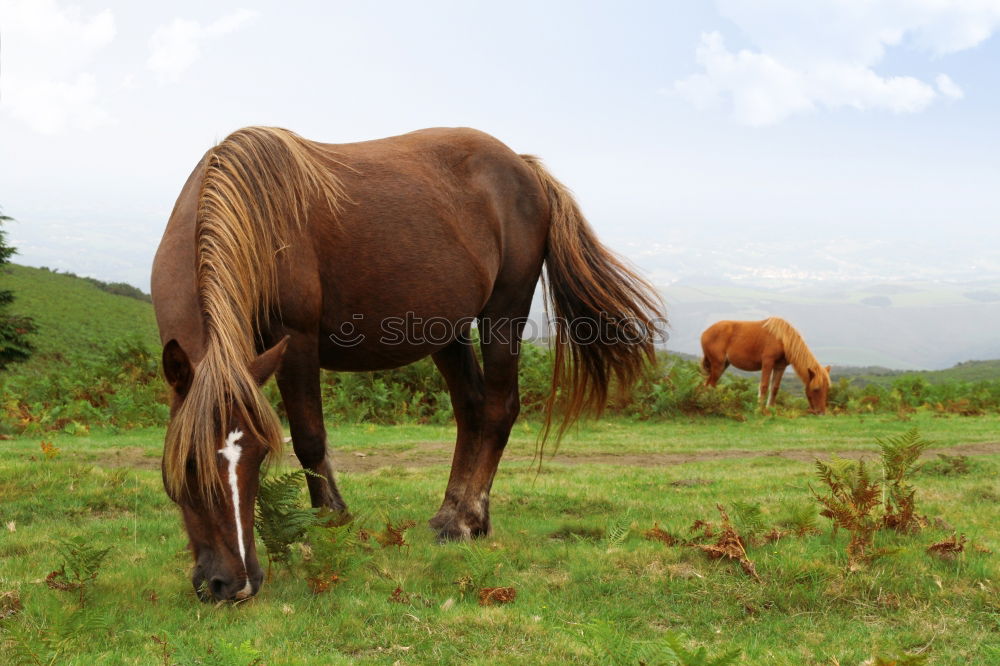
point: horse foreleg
(776, 375)
(457, 363)
(298, 381)
(765, 380)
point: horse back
(439, 223)
(744, 344)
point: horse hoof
(455, 527)
(328, 517)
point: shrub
(121, 389)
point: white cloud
(176, 46)
(948, 88)
(47, 50)
(823, 53)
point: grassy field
(76, 320)
(589, 587)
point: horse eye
(189, 465)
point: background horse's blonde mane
(796, 350)
(258, 185)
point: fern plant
(853, 494)
(279, 518)
(481, 567)
(610, 645)
(750, 519)
(899, 462)
(676, 653)
(81, 563)
(800, 518)
(332, 552)
(618, 530)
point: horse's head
(211, 469)
(818, 389)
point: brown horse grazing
(769, 346)
(285, 255)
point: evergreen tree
(14, 329)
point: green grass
(76, 320)
(577, 598)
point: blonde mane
(796, 350)
(256, 193)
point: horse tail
(258, 186)
(606, 316)
(706, 365)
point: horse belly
(745, 351)
(360, 342)
(745, 362)
(399, 307)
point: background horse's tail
(606, 316)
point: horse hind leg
(713, 368)
(457, 363)
(715, 359)
(466, 513)
(500, 410)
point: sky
(771, 139)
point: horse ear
(177, 367)
(812, 375)
(267, 363)
(828, 369)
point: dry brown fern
(948, 549)
(729, 546)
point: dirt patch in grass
(424, 454)
(427, 454)
(133, 457)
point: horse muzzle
(219, 587)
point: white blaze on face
(245, 592)
(231, 452)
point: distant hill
(967, 371)
(77, 318)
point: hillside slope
(968, 371)
(76, 320)
(79, 321)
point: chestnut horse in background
(284, 256)
(769, 346)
